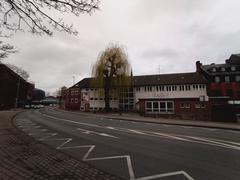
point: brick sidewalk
(23, 158)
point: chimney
(198, 66)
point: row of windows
(74, 92)
(74, 100)
(223, 69)
(102, 99)
(188, 105)
(162, 107)
(173, 88)
(226, 79)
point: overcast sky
(165, 36)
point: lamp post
(17, 94)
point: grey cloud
(170, 34)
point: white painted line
(36, 127)
(47, 137)
(136, 131)
(44, 130)
(96, 133)
(149, 133)
(166, 175)
(67, 141)
(129, 163)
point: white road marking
(166, 175)
(44, 130)
(96, 133)
(149, 133)
(47, 137)
(127, 157)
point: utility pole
(17, 94)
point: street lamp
(17, 94)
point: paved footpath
(23, 158)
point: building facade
(210, 93)
(14, 90)
(182, 95)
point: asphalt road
(142, 151)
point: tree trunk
(107, 94)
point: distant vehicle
(27, 106)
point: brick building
(210, 93)
(13, 88)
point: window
(76, 92)
(149, 106)
(72, 92)
(187, 105)
(203, 106)
(213, 69)
(217, 79)
(184, 105)
(197, 106)
(187, 87)
(161, 107)
(76, 100)
(233, 68)
(227, 79)
(137, 88)
(237, 78)
(223, 69)
(72, 100)
(155, 106)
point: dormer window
(223, 69)
(233, 68)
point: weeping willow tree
(111, 72)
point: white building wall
(166, 93)
(95, 99)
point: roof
(158, 79)
(169, 79)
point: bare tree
(5, 50)
(111, 70)
(33, 13)
(21, 72)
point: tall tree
(34, 14)
(111, 70)
(5, 50)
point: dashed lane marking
(85, 131)
(191, 139)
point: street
(137, 150)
